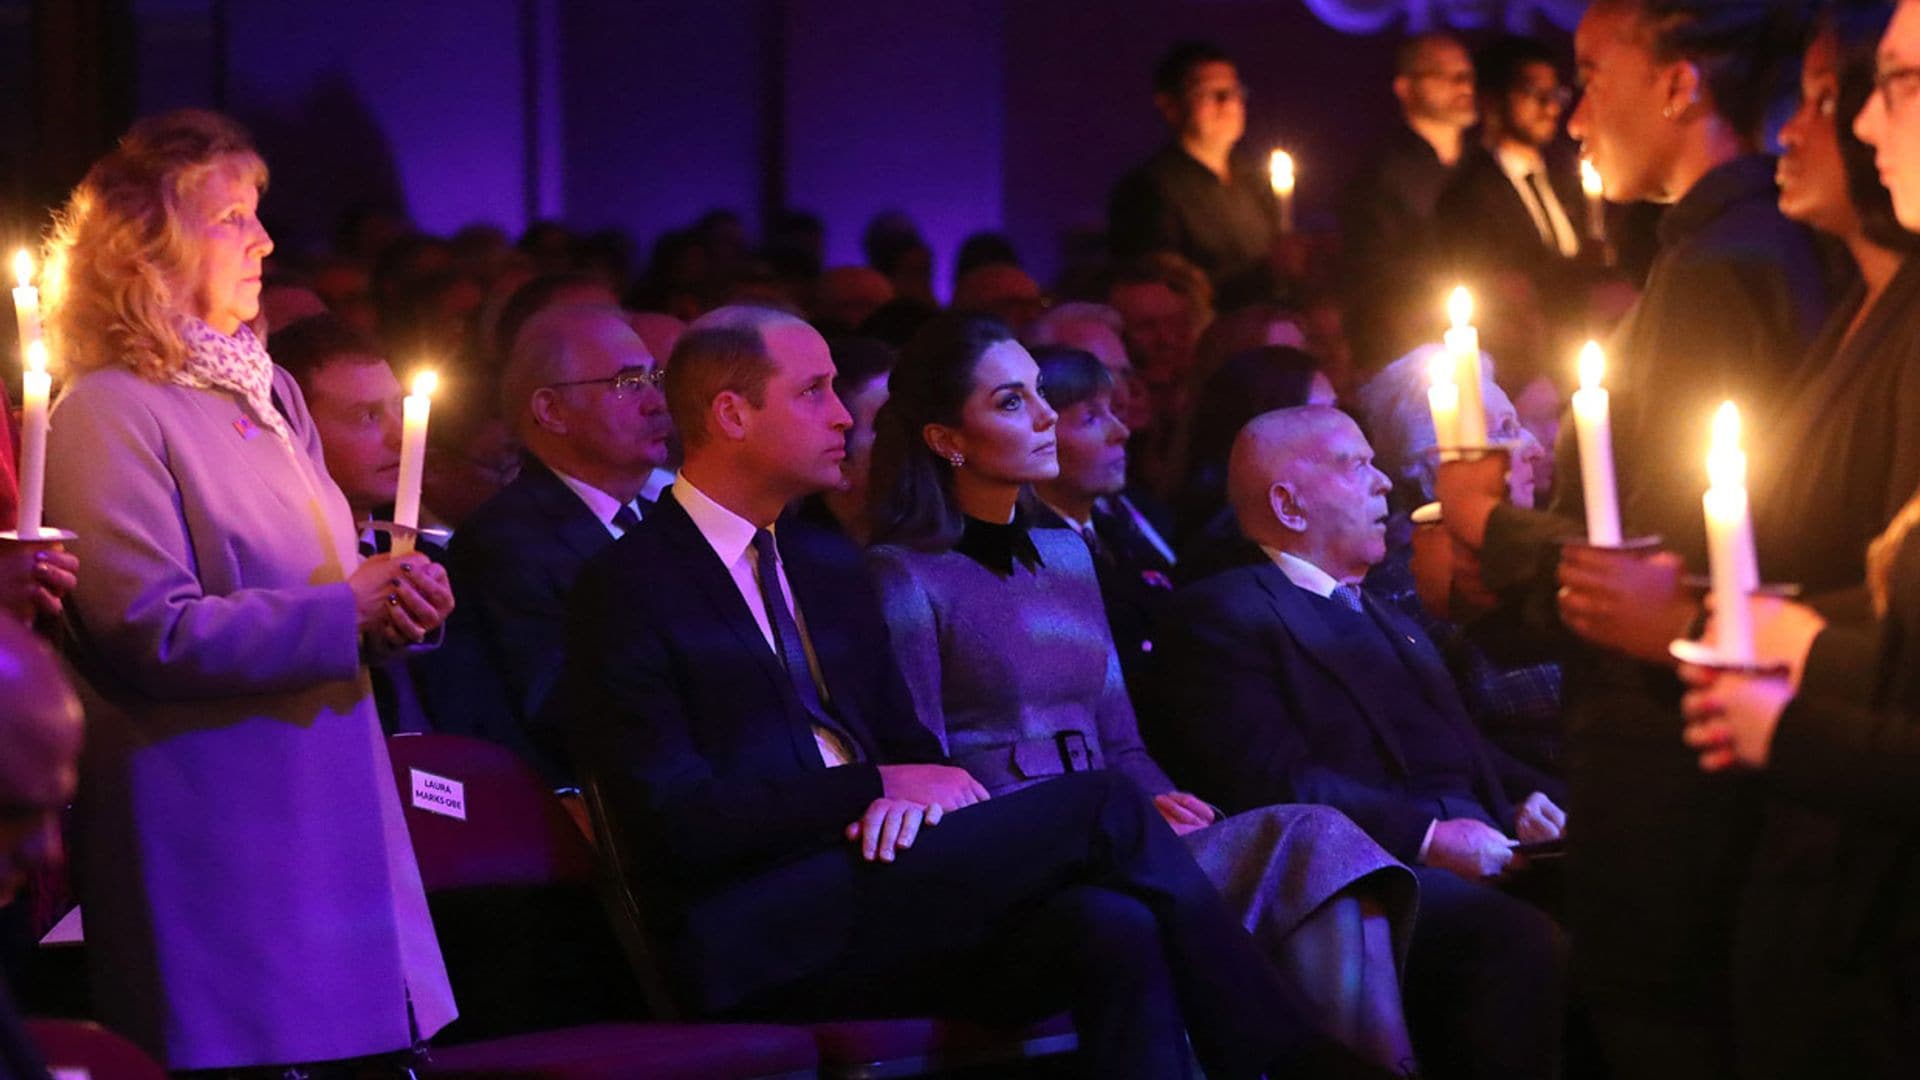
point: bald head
(1302, 481)
(558, 344)
(40, 731)
(580, 391)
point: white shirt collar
(600, 504)
(727, 533)
(657, 482)
(1302, 573)
(1082, 524)
(1517, 164)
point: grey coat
(250, 892)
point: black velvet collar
(997, 547)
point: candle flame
(1460, 307)
(1590, 181)
(425, 383)
(1280, 171)
(37, 357)
(22, 268)
(1440, 368)
(1726, 462)
(1593, 365)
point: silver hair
(1400, 422)
(1046, 329)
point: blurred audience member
(894, 246)
(1003, 291)
(1097, 329)
(860, 369)
(847, 296)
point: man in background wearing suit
(802, 849)
(583, 395)
(1282, 682)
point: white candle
(1596, 189)
(1443, 397)
(413, 458)
(1280, 172)
(1735, 570)
(26, 301)
(36, 387)
(1463, 345)
(1593, 426)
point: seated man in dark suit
(583, 394)
(801, 848)
(1281, 682)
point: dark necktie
(1547, 234)
(1347, 596)
(1092, 538)
(626, 518)
(1123, 539)
(786, 639)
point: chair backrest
(624, 907)
(81, 1049)
(480, 816)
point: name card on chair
(439, 795)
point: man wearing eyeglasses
(1514, 202)
(583, 394)
(1193, 197)
(1386, 221)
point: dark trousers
(1485, 981)
(1070, 893)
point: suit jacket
(1262, 701)
(512, 564)
(1482, 221)
(1135, 581)
(251, 894)
(707, 757)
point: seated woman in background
(1001, 635)
(250, 890)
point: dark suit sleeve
(1227, 717)
(515, 608)
(1140, 219)
(628, 700)
(1838, 753)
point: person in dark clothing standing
(1675, 95)
(1193, 197)
(1387, 217)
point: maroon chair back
(79, 1047)
(480, 816)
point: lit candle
(1280, 172)
(1596, 190)
(1443, 397)
(1593, 425)
(1463, 346)
(413, 458)
(26, 301)
(1735, 570)
(36, 386)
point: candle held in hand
(1463, 345)
(1735, 569)
(1593, 426)
(413, 458)
(26, 301)
(1443, 397)
(1280, 173)
(36, 388)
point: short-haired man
(40, 731)
(734, 695)
(1282, 682)
(583, 394)
(1386, 218)
(1514, 203)
(1192, 197)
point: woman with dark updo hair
(1002, 636)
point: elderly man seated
(1510, 677)
(1282, 682)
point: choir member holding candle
(1826, 975)
(250, 892)
(1732, 300)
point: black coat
(1264, 700)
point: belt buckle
(1073, 751)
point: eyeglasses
(1457, 78)
(625, 382)
(1896, 86)
(1556, 97)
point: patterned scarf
(238, 363)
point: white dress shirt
(600, 504)
(1549, 217)
(731, 538)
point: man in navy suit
(1281, 681)
(583, 395)
(801, 847)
